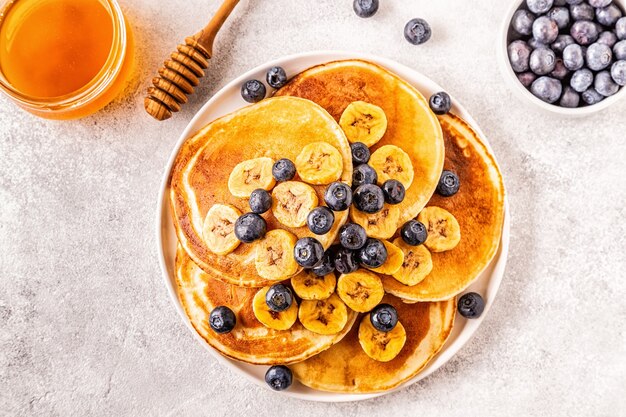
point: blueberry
(394, 191)
(373, 254)
(522, 22)
(253, 91)
(384, 317)
(440, 103)
(471, 305)
(542, 61)
(619, 50)
(584, 32)
(561, 42)
(559, 72)
(545, 30)
(618, 72)
(620, 28)
(365, 8)
(519, 55)
(526, 78)
(352, 236)
(278, 298)
(326, 266)
(570, 2)
(414, 233)
(320, 220)
(581, 80)
(417, 31)
(604, 84)
(582, 11)
(599, 3)
(607, 38)
(369, 198)
(448, 184)
(279, 377)
(591, 96)
(260, 201)
(364, 174)
(346, 261)
(560, 15)
(547, 89)
(250, 227)
(573, 57)
(599, 56)
(360, 153)
(539, 6)
(283, 170)
(338, 196)
(276, 77)
(570, 98)
(308, 252)
(534, 44)
(608, 15)
(222, 319)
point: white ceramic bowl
(526, 95)
(229, 99)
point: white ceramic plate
(229, 99)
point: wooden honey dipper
(182, 72)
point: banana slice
(444, 232)
(292, 201)
(360, 290)
(274, 320)
(218, 229)
(381, 225)
(381, 346)
(249, 175)
(417, 263)
(274, 255)
(363, 122)
(309, 286)
(395, 259)
(319, 163)
(392, 163)
(324, 316)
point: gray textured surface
(86, 326)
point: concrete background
(86, 325)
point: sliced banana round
(392, 163)
(249, 175)
(360, 290)
(417, 263)
(292, 201)
(363, 122)
(274, 255)
(395, 259)
(319, 163)
(327, 316)
(309, 286)
(218, 229)
(381, 225)
(444, 232)
(282, 320)
(381, 346)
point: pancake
(249, 341)
(346, 368)
(479, 209)
(410, 123)
(275, 128)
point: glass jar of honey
(64, 59)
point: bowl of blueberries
(566, 56)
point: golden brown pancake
(346, 368)
(275, 128)
(249, 341)
(479, 209)
(410, 123)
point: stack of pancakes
(306, 110)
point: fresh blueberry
(559, 72)
(545, 30)
(250, 227)
(279, 377)
(539, 6)
(283, 170)
(519, 55)
(620, 29)
(526, 78)
(320, 220)
(542, 61)
(570, 2)
(346, 261)
(338, 196)
(560, 15)
(448, 184)
(222, 319)
(607, 38)
(599, 3)
(260, 201)
(561, 42)
(326, 266)
(364, 174)
(360, 153)
(608, 15)
(308, 252)
(440, 103)
(417, 31)
(547, 89)
(394, 191)
(581, 80)
(584, 32)
(276, 77)
(373, 254)
(570, 98)
(604, 84)
(573, 57)
(599, 56)
(522, 22)
(384, 317)
(365, 8)
(352, 236)
(534, 44)
(591, 96)
(278, 298)
(618, 72)
(253, 91)
(369, 198)
(619, 50)
(414, 233)
(582, 11)
(471, 305)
